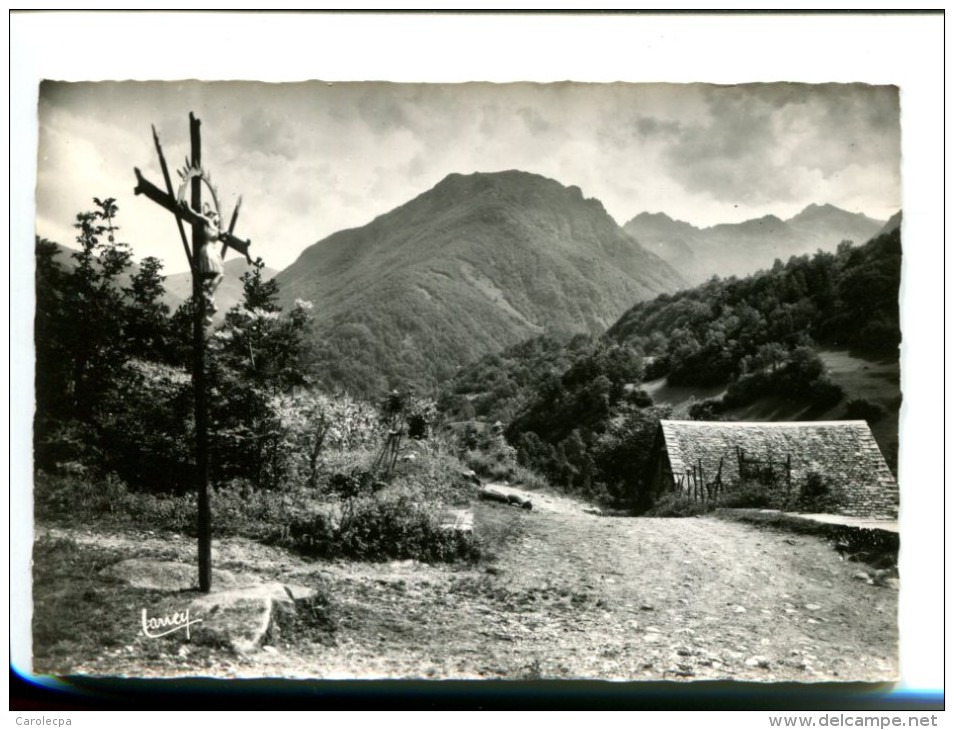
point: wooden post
(718, 480)
(198, 376)
(171, 203)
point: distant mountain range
(487, 260)
(469, 267)
(742, 248)
(179, 286)
(172, 298)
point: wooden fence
(702, 487)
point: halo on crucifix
(190, 173)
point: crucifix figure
(204, 260)
(205, 263)
(208, 262)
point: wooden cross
(171, 202)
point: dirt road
(572, 595)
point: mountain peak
(734, 249)
(659, 217)
(828, 212)
(478, 262)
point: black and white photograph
(360, 379)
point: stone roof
(844, 451)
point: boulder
(242, 618)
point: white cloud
(313, 158)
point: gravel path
(572, 595)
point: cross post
(198, 377)
(201, 301)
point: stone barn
(705, 458)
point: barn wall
(844, 452)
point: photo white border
(906, 50)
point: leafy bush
(824, 393)
(432, 472)
(146, 428)
(529, 479)
(81, 498)
(755, 494)
(489, 454)
(355, 483)
(376, 528)
(819, 494)
(105, 500)
(70, 445)
(864, 409)
(237, 509)
(676, 504)
(639, 398)
(801, 377)
(710, 409)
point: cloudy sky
(313, 158)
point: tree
(261, 344)
(770, 355)
(95, 308)
(53, 365)
(147, 329)
(257, 354)
(92, 337)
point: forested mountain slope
(476, 264)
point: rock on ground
(242, 618)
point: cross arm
(144, 187)
(237, 244)
(160, 197)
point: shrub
(639, 398)
(433, 473)
(491, 455)
(824, 393)
(755, 494)
(400, 528)
(236, 508)
(313, 535)
(818, 494)
(145, 427)
(70, 497)
(58, 443)
(710, 409)
(864, 409)
(353, 483)
(376, 529)
(676, 504)
(529, 479)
